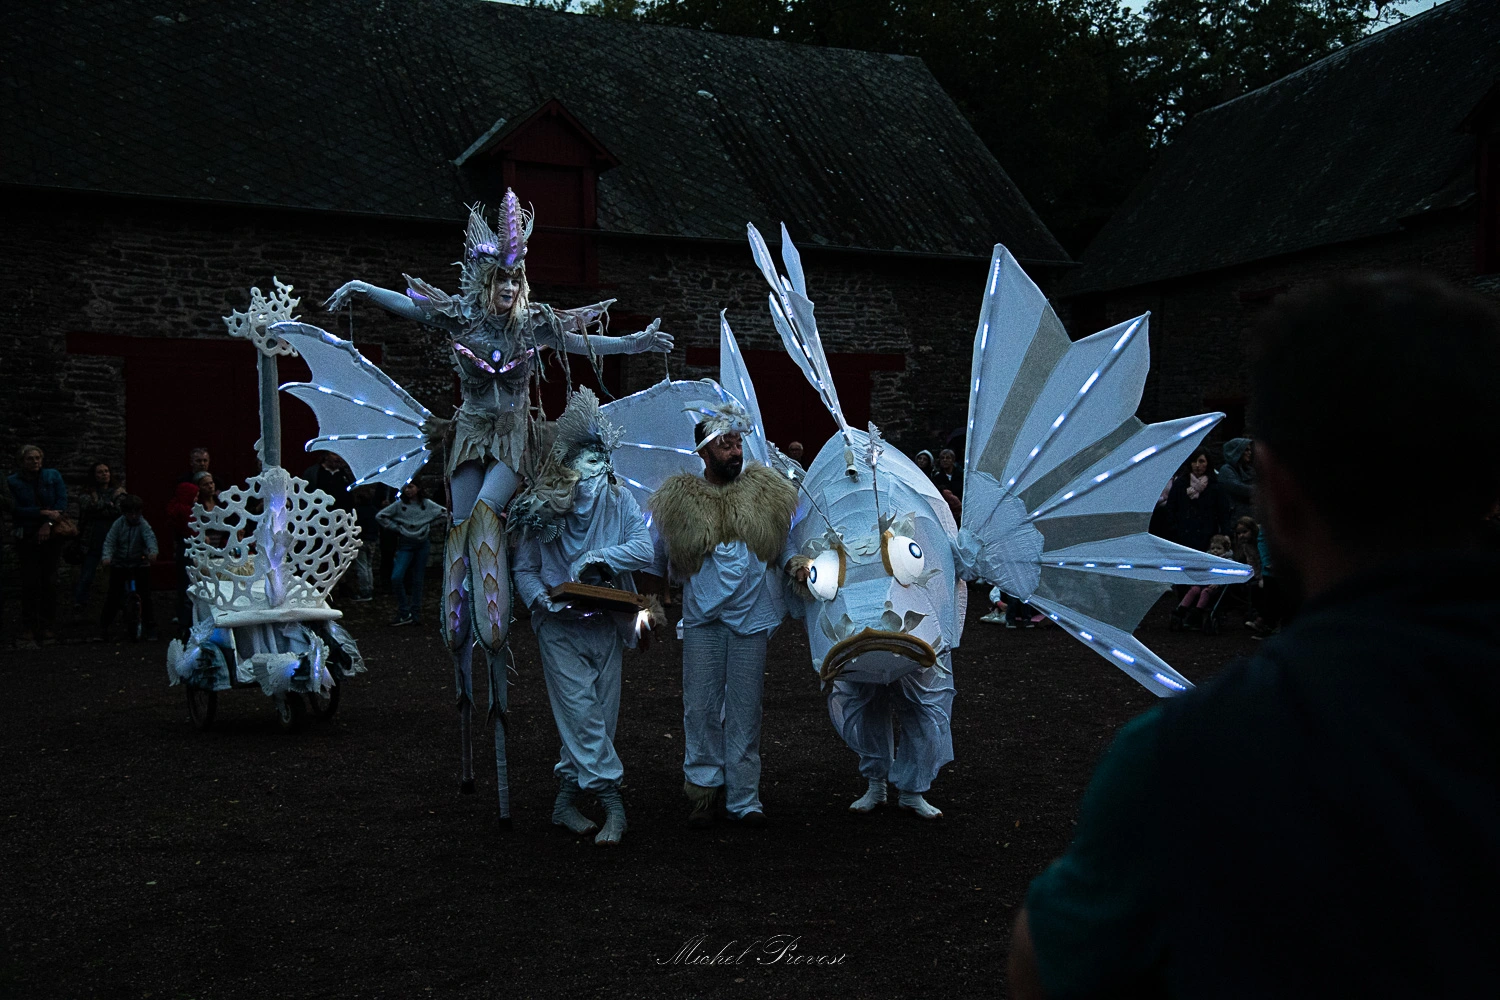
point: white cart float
(261, 566)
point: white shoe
(873, 798)
(913, 802)
(994, 617)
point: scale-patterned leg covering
(489, 576)
(457, 602)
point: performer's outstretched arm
(575, 342)
(394, 303)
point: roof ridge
(1342, 51)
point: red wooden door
(183, 393)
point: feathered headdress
(539, 509)
(506, 249)
(583, 425)
(726, 417)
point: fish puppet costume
(1060, 479)
(575, 523)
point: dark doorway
(182, 393)
(790, 407)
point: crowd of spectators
(101, 526)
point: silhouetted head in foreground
(1405, 361)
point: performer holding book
(576, 524)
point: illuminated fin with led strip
(363, 415)
(658, 422)
(1061, 477)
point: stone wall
(130, 268)
(1201, 325)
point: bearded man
(577, 524)
(721, 535)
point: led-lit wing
(658, 422)
(657, 426)
(363, 415)
(1061, 477)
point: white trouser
(722, 676)
(581, 661)
(923, 701)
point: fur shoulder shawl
(693, 515)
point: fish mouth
(875, 641)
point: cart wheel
(202, 706)
(324, 706)
(290, 711)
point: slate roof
(361, 107)
(1345, 148)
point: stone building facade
(153, 175)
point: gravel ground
(145, 859)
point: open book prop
(595, 598)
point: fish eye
(904, 558)
(823, 575)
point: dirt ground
(142, 858)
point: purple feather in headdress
(515, 224)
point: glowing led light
(1172, 569)
(1085, 637)
(1066, 496)
(1089, 384)
(1120, 654)
(1089, 565)
(1056, 424)
(1169, 682)
(1138, 456)
(984, 335)
(1101, 477)
(1124, 566)
(1034, 453)
(324, 388)
(1195, 428)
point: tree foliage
(1073, 97)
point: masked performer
(719, 533)
(495, 333)
(575, 523)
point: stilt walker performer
(495, 333)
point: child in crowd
(1197, 600)
(129, 550)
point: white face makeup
(503, 291)
(589, 463)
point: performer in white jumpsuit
(576, 524)
(721, 535)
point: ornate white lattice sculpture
(302, 546)
(264, 312)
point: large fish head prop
(883, 598)
(884, 594)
